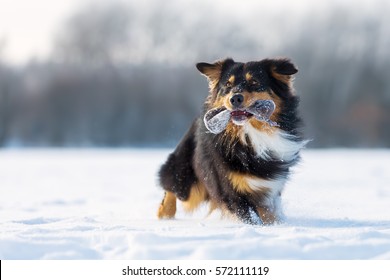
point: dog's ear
(213, 71)
(284, 66)
(282, 69)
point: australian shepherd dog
(238, 154)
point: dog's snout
(237, 100)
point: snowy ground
(101, 204)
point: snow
(101, 204)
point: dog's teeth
(216, 120)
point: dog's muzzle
(217, 119)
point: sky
(28, 27)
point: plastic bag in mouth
(262, 110)
(217, 119)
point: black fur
(177, 175)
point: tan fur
(198, 194)
(231, 135)
(262, 126)
(248, 76)
(231, 80)
(213, 74)
(167, 209)
(239, 182)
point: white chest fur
(278, 143)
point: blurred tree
(123, 74)
(4, 110)
(4, 98)
(95, 35)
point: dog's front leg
(167, 209)
(242, 209)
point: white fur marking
(279, 144)
(274, 186)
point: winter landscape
(83, 81)
(101, 204)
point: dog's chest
(277, 144)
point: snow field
(101, 204)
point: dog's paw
(267, 216)
(166, 212)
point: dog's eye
(228, 84)
(253, 82)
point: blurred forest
(122, 73)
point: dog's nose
(237, 100)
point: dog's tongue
(217, 119)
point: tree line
(121, 75)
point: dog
(240, 162)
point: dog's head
(236, 86)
